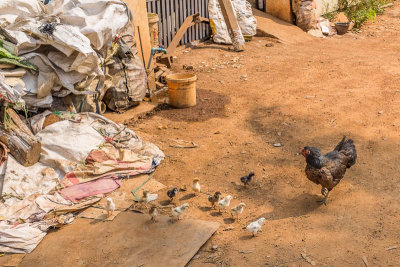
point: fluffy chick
(255, 226)
(224, 203)
(237, 210)
(153, 212)
(196, 185)
(110, 206)
(178, 211)
(215, 198)
(172, 193)
(247, 178)
(144, 197)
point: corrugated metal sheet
(171, 15)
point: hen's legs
(325, 193)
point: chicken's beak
(303, 151)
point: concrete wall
(326, 6)
(281, 8)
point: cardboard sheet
(131, 239)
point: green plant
(359, 11)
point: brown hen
(329, 169)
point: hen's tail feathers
(340, 145)
(347, 148)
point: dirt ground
(305, 94)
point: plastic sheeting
(244, 15)
(21, 238)
(32, 192)
(65, 145)
(77, 36)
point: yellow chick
(196, 185)
(110, 207)
(153, 212)
(238, 210)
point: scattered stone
(217, 132)
(229, 228)
(391, 248)
(269, 44)
(244, 77)
(161, 127)
(215, 247)
(277, 145)
(310, 96)
(197, 256)
(245, 251)
(380, 112)
(188, 67)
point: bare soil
(311, 93)
(305, 94)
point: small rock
(310, 96)
(380, 112)
(196, 257)
(277, 145)
(215, 247)
(269, 44)
(217, 132)
(230, 227)
(187, 67)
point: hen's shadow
(299, 206)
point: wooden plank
(189, 12)
(196, 27)
(186, 35)
(164, 23)
(172, 12)
(169, 27)
(140, 23)
(280, 9)
(187, 23)
(177, 13)
(160, 28)
(232, 25)
(193, 11)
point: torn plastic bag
(92, 18)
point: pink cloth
(100, 186)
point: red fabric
(100, 186)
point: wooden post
(23, 145)
(143, 44)
(232, 24)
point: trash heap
(66, 56)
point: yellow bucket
(182, 90)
